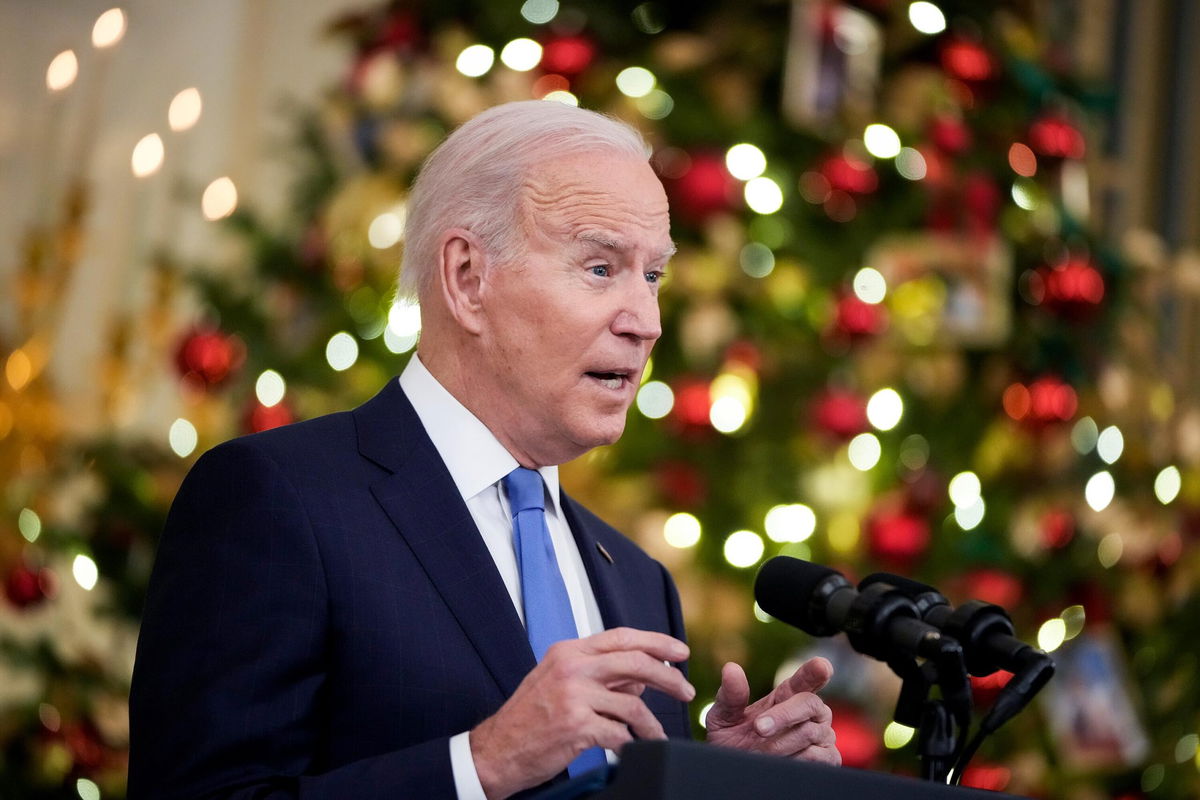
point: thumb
(733, 696)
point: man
(372, 604)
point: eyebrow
(615, 244)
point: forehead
(597, 195)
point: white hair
(474, 179)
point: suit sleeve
(229, 681)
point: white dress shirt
(477, 463)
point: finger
(796, 710)
(824, 754)
(658, 645)
(812, 675)
(732, 697)
(797, 739)
(635, 688)
(632, 712)
(636, 667)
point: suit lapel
(423, 503)
(603, 573)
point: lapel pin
(604, 553)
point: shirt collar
(473, 455)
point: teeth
(612, 383)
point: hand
(585, 693)
(791, 721)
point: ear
(461, 265)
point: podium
(679, 770)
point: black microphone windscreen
(785, 587)
(907, 586)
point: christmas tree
(894, 340)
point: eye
(600, 270)
(655, 276)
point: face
(569, 325)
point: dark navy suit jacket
(323, 615)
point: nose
(638, 316)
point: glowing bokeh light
(745, 161)
(728, 414)
(655, 399)
(757, 260)
(655, 105)
(1110, 444)
(964, 489)
(342, 351)
(1100, 490)
(1052, 634)
(85, 572)
(1074, 618)
(63, 70)
(396, 343)
(869, 285)
(911, 164)
(636, 81)
(881, 141)
(1024, 194)
(885, 409)
(761, 615)
(926, 17)
(1167, 484)
(703, 715)
(29, 524)
(475, 60)
(539, 12)
(147, 155)
(744, 549)
(109, 28)
(864, 451)
(270, 388)
(763, 195)
(794, 522)
(185, 109)
(682, 530)
(1110, 550)
(220, 199)
(182, 437)
(87, 789)
(1022, 160)
(386, 230)
(1084, 435)
(404, 317)
(968, 517)
(521, 55)
(562, 96)
(896, 735)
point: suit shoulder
(312, 439)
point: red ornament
(857, 739)
(981, 200)
(26, 587)
(986, 688)
(858, 319)
(85, 745)
(209, 356)
(849, 174)
(745, 353)
(840, 413)
(567, 55)
(1046, 401)
(1054, 136)
(1058, 528)
(1073, 289)
(681, 484)
(992, 777)
(967, 60)
(262, 418)
(993, 586)
(949, 134)
(898, 535)
(704, 189)
(692, 403)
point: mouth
(611, 380)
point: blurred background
(933, 313)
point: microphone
(879, 621)
(985, 632)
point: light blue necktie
(548, 616)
